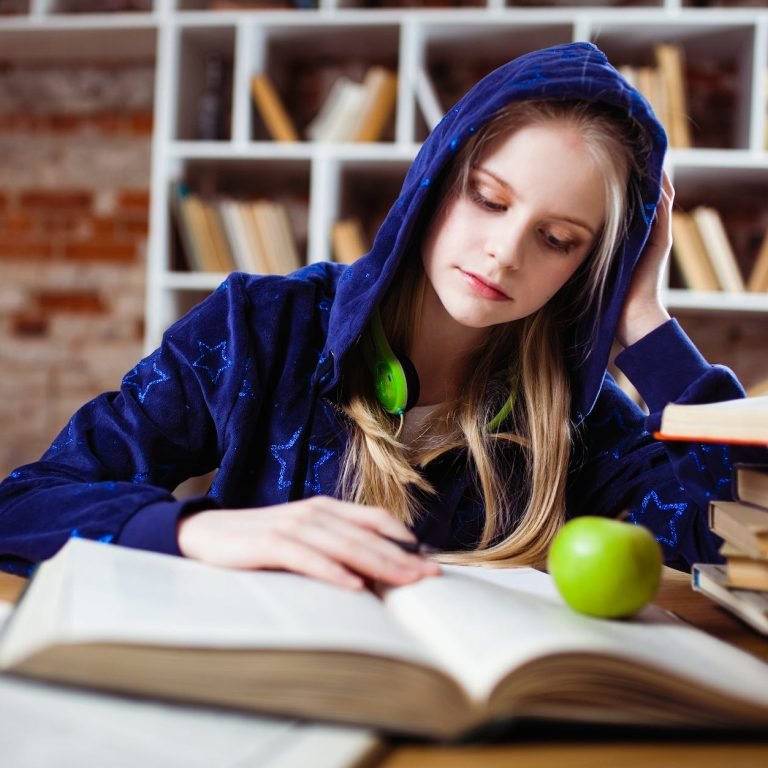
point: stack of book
(222, 234)
(352, 111)
(741, 583)
(703, 253)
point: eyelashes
(549, 240)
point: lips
(483, 287)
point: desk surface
(675, 595)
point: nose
(506, 243)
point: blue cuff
(153, 528)
(662, 365)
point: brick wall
(74, 176)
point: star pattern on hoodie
(707, 458)
(213, 359)
(143, 384)
(317, 457)
(669, 513)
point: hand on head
(643, 308)
(336, 541)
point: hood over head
(575, 71)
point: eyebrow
(507, 185)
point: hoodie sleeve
(664, 486)
(110, 473)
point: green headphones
(396, 381)
(395, 378)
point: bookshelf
(302, 46)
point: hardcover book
(439, 658)
(744, 421)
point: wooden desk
(675, 595)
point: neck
(440, 350)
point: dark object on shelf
(210, 109)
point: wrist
(635, 325)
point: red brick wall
(73, 230)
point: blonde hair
(380, 469)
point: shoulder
(243, 295)
(320, 278)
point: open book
(439, 658)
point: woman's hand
(643, 310)
(336, 541)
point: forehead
(552, 166)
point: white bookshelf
(179, 35)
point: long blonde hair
(380, 469)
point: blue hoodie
(247, 382)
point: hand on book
(335, 541)
(643, 309)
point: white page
(44, 725)
(480, 629)
(126, 595)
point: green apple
(605, 567)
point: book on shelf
(222, 250)
(741, 525)
(339, 115)
(379, 104)
(690, 255)
(270, 106)
(670, 59)
(751, 606)
(743, 570)
(751, 484)
(758, 276)
(356, 111)
(271, 229)
(718, 247)
(348, 242)
(742, 421)
(198, 233)
(224, 234)
(441, 657)
(246, 249)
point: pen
(414, 547)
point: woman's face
(530, 216)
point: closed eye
(564, 246)
(488, 205)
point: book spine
(271, 109)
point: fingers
(338, 542)
(362, 550)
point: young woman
(531, 231)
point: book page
(116, 594)
(483, 630)
(84, 728)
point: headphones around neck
(395, 379)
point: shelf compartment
(738, 193)
(282, 181)
(718, 70)
(303, 62)
(455, 55)
(205, 60)
(367, 189)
